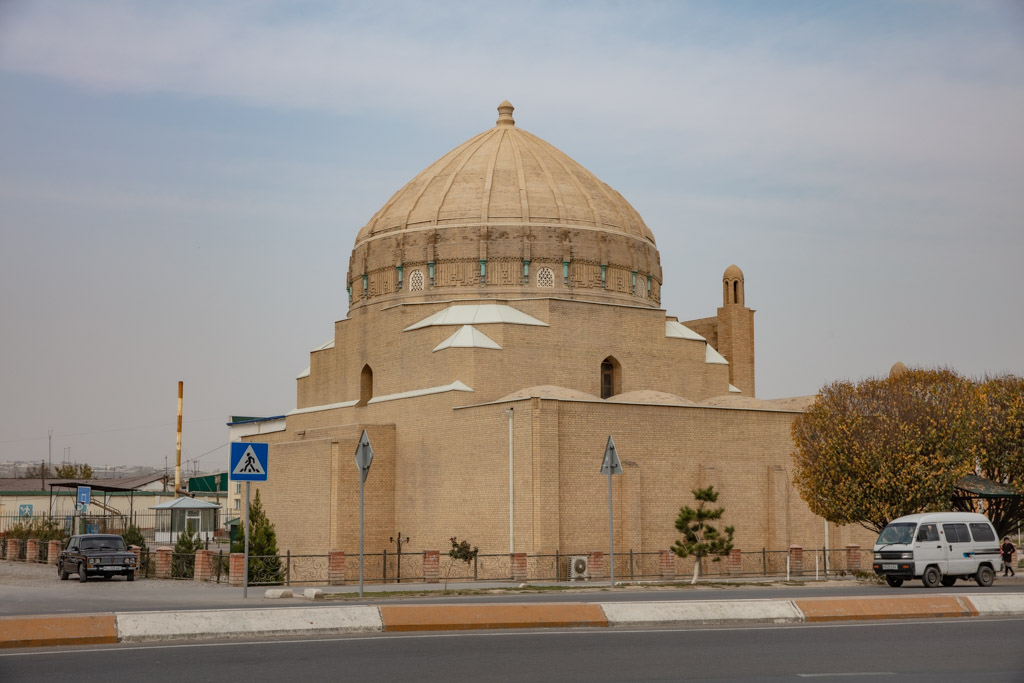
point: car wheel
(83, 576)
(61, 573)
(130, 576)
(931, 577)
(985, 576)
(894, 581)
(948, 581)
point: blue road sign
(249, 461)
(25, 510)
(84, 495)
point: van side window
(927, 532)
(982, 532)
(956, 533)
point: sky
(181, 184)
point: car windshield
(901, 532)
(105, 543)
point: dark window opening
(365, 386)
(611, 382)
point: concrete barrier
(897, 607)
(702, 612)
(242, 623)
(48, 630)
(998, 604)
(465, 617)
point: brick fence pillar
(163, 562)
(853, 557)
(138, 555)
(14, 549)
(53, 552)
(336, 568)
(236, 569)
(204, 565)
(597, 565)
(734, 563)
(431, 566)
(519, 566)
(666, 564)
(796, 560)
(32, 550)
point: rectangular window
(927, 532)
(238, 504)
(238, 487)
(982, 532)
(956, 533)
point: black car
(96, 555)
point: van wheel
(893, 581)
(948, 581)
(931, 577)
(985, 576)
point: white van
(938, 547)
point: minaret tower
(736, 331)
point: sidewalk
(129, 627)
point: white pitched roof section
(734, 390)
(712, 356)
(468, 337)
(477, 314)
(454, 386)
(677, 330)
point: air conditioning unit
(579, 567)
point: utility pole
(177, 464)
(49, 447)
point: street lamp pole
(511, 486)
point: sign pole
(362, 485)
(611, 533)
(364, 456)
(245, 570)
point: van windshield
(901, 532)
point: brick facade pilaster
(518, 561)
(853, 557)
(163, 562)
(431, 566)
(236, 569)
(32, 550)
(667, 564)
(336, 568)
(796, 560)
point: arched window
(545, 278)
(611, 380)
(641, 288)
(365, 386)
(735, 291)
(416, 281)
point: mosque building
(504, 320)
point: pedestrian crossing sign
(249, 461)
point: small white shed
(174, 515)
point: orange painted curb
(464, 617)
(35, 631)
(902, 607)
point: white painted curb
(997, 604)
(241, 623)
(702, 612)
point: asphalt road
(35, 589)
(935, 651)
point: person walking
(1008, 550)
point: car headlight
(907, 556)
(878, 556)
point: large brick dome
(508, 212)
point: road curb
(86, 629)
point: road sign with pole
(249, 463)
(611, 465)
(364, 456)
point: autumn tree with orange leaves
(871, 451)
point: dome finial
(505, 114)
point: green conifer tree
(700, 538)
(264, 562)
(184, 561)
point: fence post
(796, 560)
(220, 563)
(203, 568)
(853, 557)
(734, 564)
(14, 549)
(431, 566)
(764, 561)
(475, 574)
(287, 567)
(163, 562)
(53, 552)
(558, 572)
(336, 568)
(519, 566)
(32, 550)
(631, 564)
(666, 564)
(236, 569)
